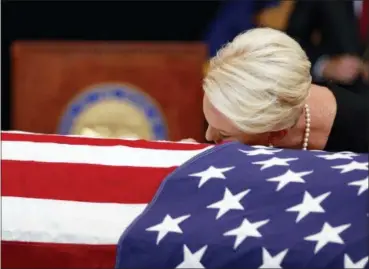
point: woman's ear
(275, 137)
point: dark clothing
(336, 23)
(233, 18)
(338, 28)
(350, 130)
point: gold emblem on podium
(114, 111)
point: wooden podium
(49, 77)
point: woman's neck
(322, 113)
(295, 136)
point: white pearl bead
(307, 127)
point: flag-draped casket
(236, 206)
(66, 200)
(80, 202)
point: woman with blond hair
(258, 91)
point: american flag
(236, 206)
(66, 200)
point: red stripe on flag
(17, 255)
(81, 182)
(77, 182)
(100, 142)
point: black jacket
(336, 24)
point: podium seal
(114, 111)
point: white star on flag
(338, 155)
(354, 165)
(363, 184)
(260, 151)
(289, 177)
(349, 264)
(275, 161)
(260, 147)
(211, 172)
(246, 229)
(309, 205)
(349, 153)
(229, 202)
(270, 261)
(192, 260)
(328, 234)
(166, 226)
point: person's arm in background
(339, 61)
(233, 18)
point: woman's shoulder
(351, 106)
(349, 97)
(350, 130)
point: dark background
(88, 20)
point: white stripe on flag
(103, 155)
(54, 221)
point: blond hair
(260, 81)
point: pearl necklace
(307, 127)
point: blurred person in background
(334, 35)
(234, 17)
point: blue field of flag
(236, 206)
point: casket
(77, 202)
(66, 199)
